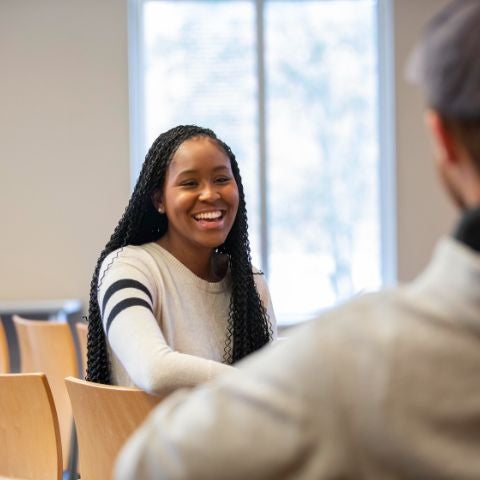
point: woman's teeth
(208, 215)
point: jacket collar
(449, 288)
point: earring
(161, 210)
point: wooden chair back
(29, 434)
(82, 334)
(105, 416)
(4, 355)
(47, 346)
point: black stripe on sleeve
(122, 305)
(124, 283)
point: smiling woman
(174, 299)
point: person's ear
(444, 140)
(157, 199)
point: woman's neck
(202, 262)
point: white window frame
(386, 127)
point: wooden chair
(82, 334)
(4, 355)
(29, 435)
(47, 346)
(105, 416)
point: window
(294, 87)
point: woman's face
(199, 197)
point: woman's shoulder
(129, 252)
(260, 280)
(136, 256)
(131, 262)
(257, 271)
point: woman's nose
(209, 193)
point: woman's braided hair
(248, 325)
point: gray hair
(446, 61)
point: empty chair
(4, 356)
(105, 416)
(47, 346)
(82, 334)
(29, 435)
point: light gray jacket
(384, 387)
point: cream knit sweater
(166, 327)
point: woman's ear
(158, 201)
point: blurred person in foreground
(384, 387)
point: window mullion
(386, 142)
(262, 140)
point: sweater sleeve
(264, 293)
(127, 300)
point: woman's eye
(222, 179)
(189, 183)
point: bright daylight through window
(292, 87)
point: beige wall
(64, 144)
(423, 210)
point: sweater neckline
(187, 275)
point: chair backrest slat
(47, 346)
(105, 416)
(29, 434)
(4, 355)
(82, 334)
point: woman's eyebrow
(221, 167)
(193, 171)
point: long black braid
(248, 325)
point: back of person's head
(446, 64)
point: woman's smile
(211, 219)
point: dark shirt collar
(468, 229)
